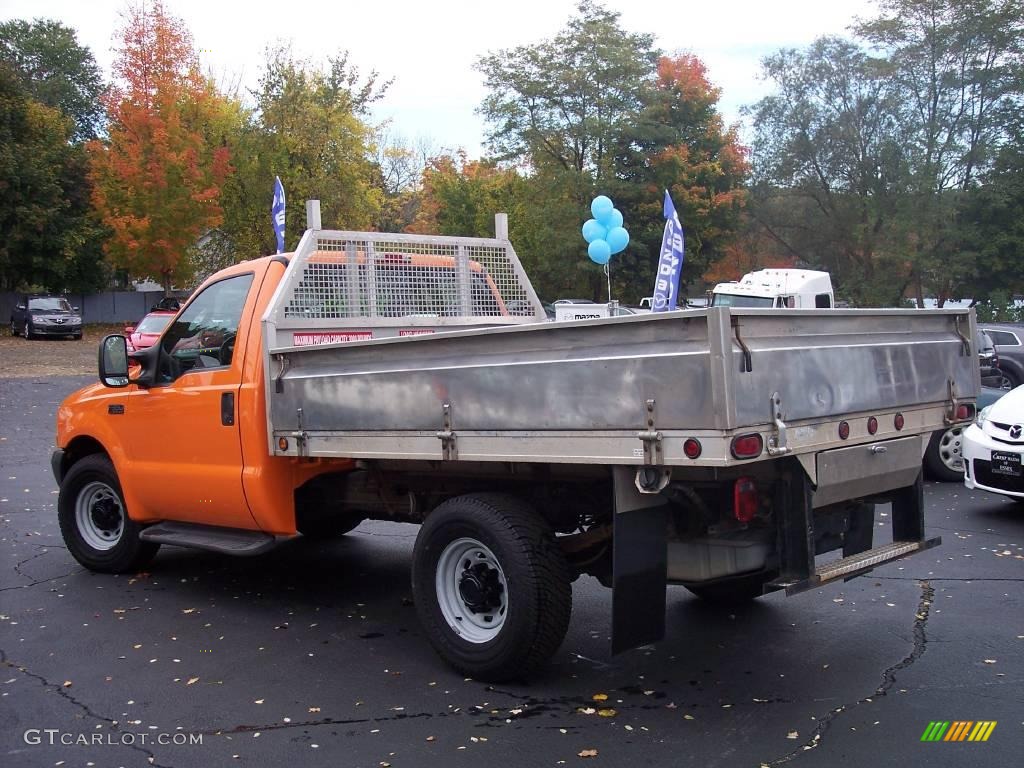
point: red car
(146, 333)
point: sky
(428, 48)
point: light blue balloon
(618, 239)
(599, 252)
(593, 231)
(601, 206)
(614, 219)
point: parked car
(943, 460)
(988, 360)
(1009, 346)
(147, 332)
(994, 445)
(43, 315)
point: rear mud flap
(640, 564)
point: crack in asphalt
(63, 693)
(888, 676)
(42, 581)
(941, 578)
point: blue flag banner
(666, 283)
(277, 213)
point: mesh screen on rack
(381, 278)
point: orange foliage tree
(156, 178)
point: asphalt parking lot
(312, 656)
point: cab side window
(203, 336)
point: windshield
(153, 323)
(732, 300)
(53, 304)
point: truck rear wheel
(94, 519)
(492, 588)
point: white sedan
(994, 445)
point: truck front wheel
(492, 588)
(94, 519)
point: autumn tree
(597, 109)
(156, 178)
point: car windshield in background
(153, 323)
(732, 300)
(50, 304)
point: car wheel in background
(27, 331)
(944, 457)
(1007, 380)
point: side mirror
(129, 329)
(20, 307)
(76, 309)
(114, 361)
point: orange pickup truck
(415, 379)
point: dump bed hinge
(954, 403)
(449, 448)
(748, 364)
(651, 437)
(300, 435)
(777, 441)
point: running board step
(230, 541)
(856, 565)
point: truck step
(230, 541)
(856, 565)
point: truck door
(185, 449)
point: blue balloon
(599, 252)
(601, 207)
(614, 219)
(593, 231)
(618, 239)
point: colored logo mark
(958, 730)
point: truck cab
(778, 288)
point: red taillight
(744, 499)
(844, 430)
(898, 421)
(872, 425)
(747, 446)
(692, 448)
(964, 412)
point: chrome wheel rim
(951, 449)
(99, 516)
(472, 591)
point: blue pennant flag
(277, 213)
(666, 283)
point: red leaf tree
(157, 178)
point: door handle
(227, 409)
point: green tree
(310, 127)
(55, 70)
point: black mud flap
(640, 565)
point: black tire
(92, 488)
(733, 592)
(77, 337)
(944, 449)
(537, 585)
(333, 527)
(1008, 379)
(27, 331)
(14, 328)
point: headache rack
(353, 286)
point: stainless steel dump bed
(625, 390)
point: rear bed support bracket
(651, 437)
(449, 448)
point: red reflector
(964, 412)
(692, 448)
(746, 446)
(898, 421)
(872, 425)
(844, 430)
(744, 499)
